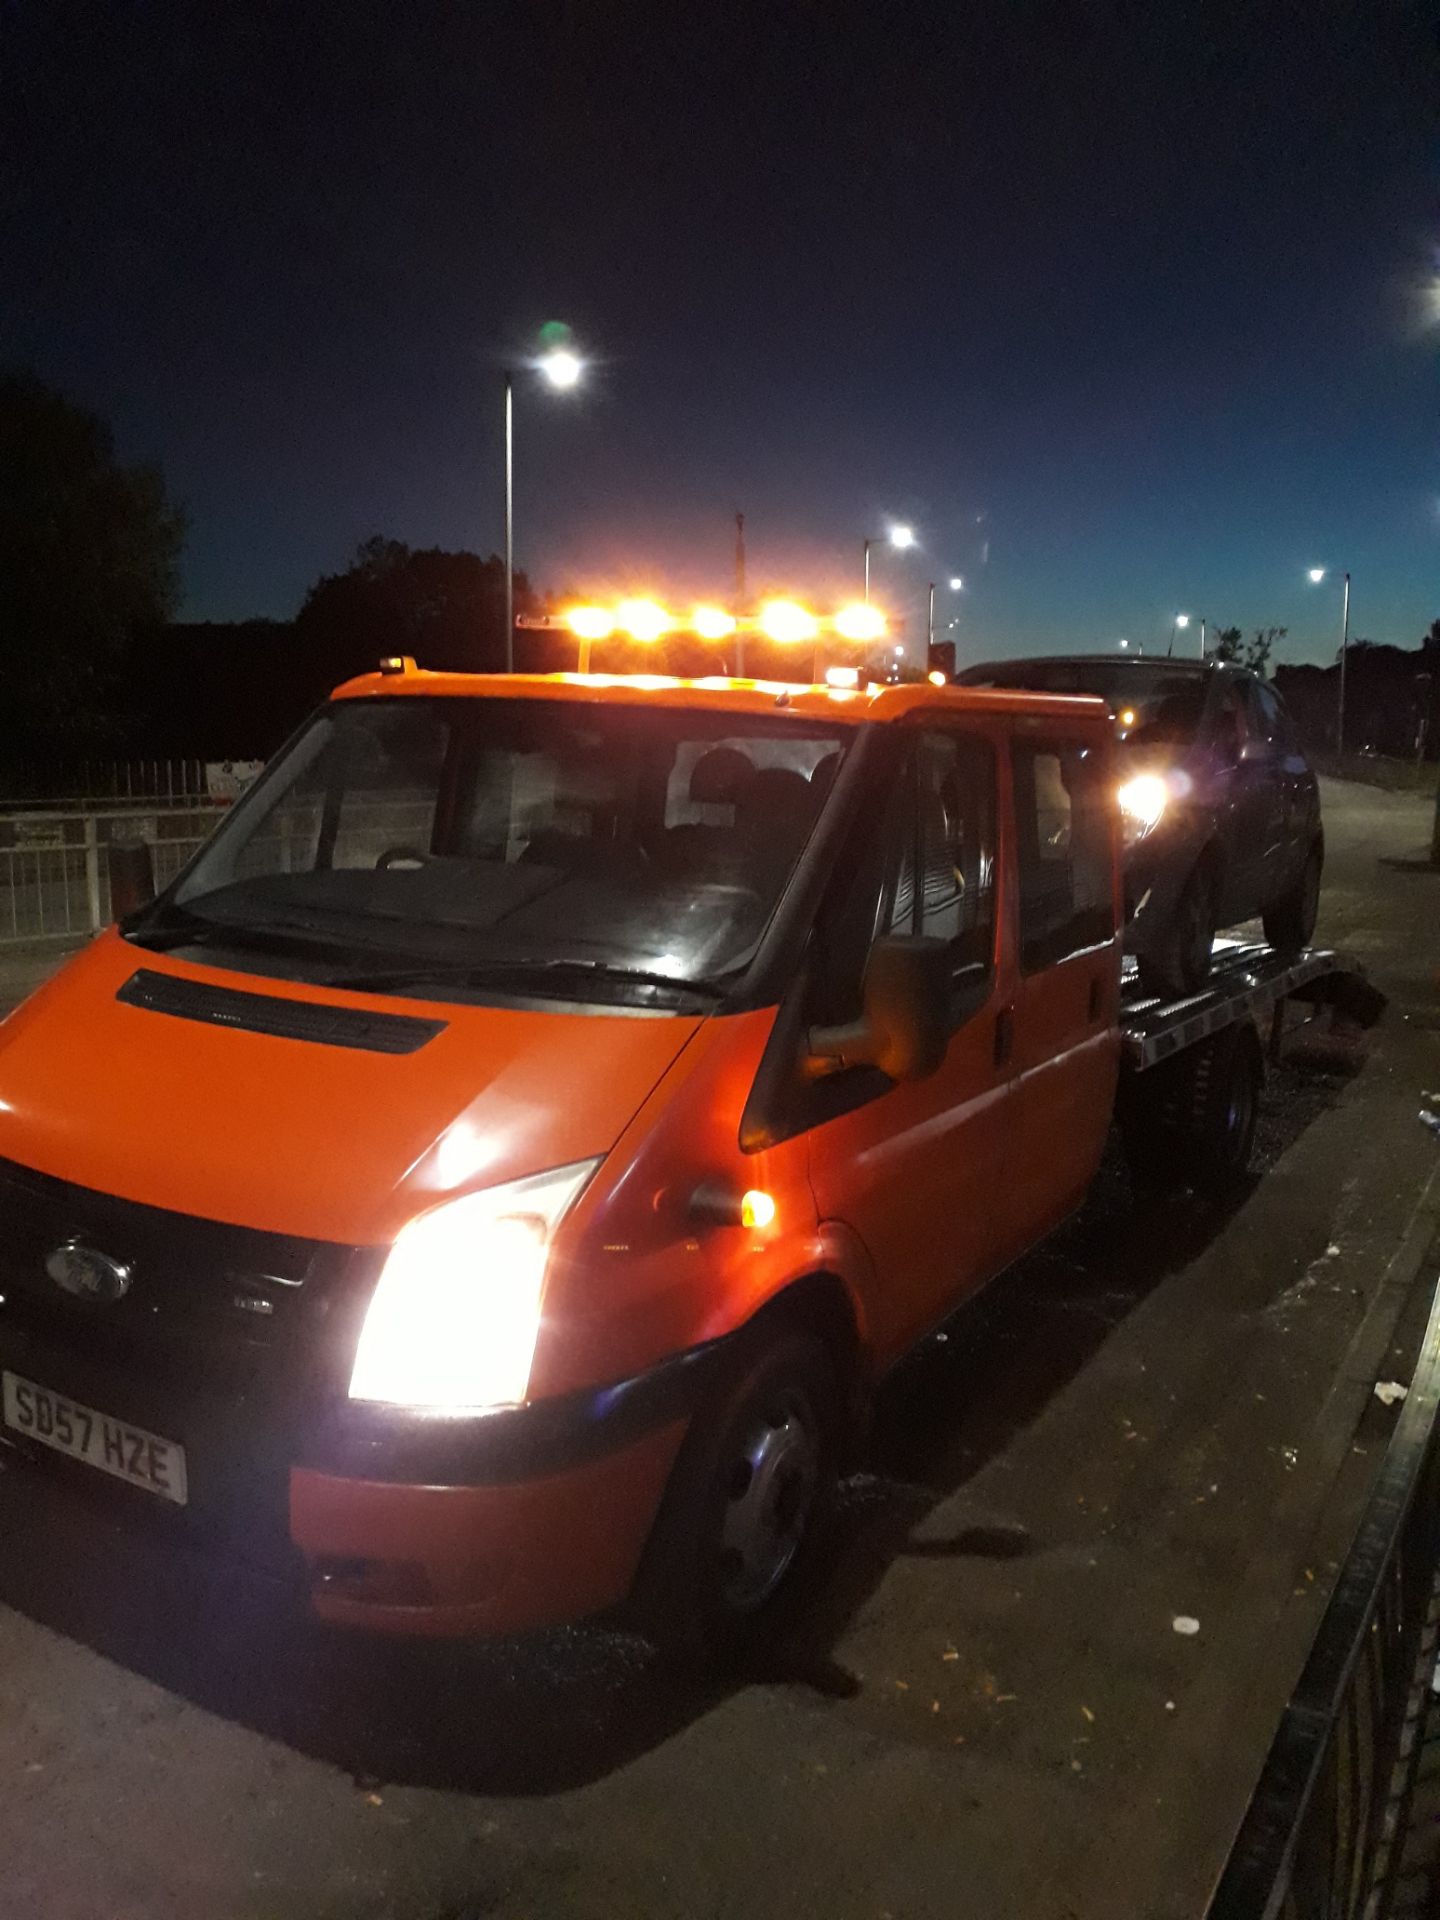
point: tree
(89, 566)
(1254, 654)
(447, 609)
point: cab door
(915, 1169)
(1064, 1052)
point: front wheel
(745, 1503)
(1179, 961)
(1289, 922)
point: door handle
(1004, 1035)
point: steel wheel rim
(769, 1490)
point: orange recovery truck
(489, 1184)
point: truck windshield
(453, 836)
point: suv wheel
(1180, 961)
(1289, 922)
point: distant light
(936, 678)
(713, 623)
(561, 368)
(860, 623)
(590, 623)
(956, 583)
(1124, 646)
(902, 536)
(1317, 574)
(785, 620)
(899, 653)
(842, 676)
(757, 1208)
(643, 619)
(1182, 619)
(1127, 717)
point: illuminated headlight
(456, 1311)
(1143, 801)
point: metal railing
(54, 880)
(1322, 1837)
(87, 784)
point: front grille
(315, 1021)
(229, 1306)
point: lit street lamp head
(1182, 620)
(561, 368)
(902, 536)
(956, 583)
(1317, 574)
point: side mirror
(905, 1025)
(132, 877)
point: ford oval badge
(87, 1274)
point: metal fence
(86, 784)
(1322, 1837)
(54, 878)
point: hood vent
(322, 1025)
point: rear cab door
(1063, 1042)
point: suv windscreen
(472, 834)
(1160, 705)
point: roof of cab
(842, 705)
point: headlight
(1143, 801)
(456, 1310)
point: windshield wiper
(497, 972)
(165, 935)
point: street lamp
(1317, 574)
(897, 537)
(560, 369)
(1182, 620)
(957, 585)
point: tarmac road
(985, 1708)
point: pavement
(986, 1706)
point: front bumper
(385, 1519)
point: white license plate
(129, 1453)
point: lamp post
(1182, 620)
(1317, 574)
(896, 537)
(561, 369)
(957, 585)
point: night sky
(1129, 308)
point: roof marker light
(713, 623)
(842, 676)
(643, 619)
(787, 620)
(590, 623)
(860, 623)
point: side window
(1233, 724)
(1273, 721)
(1063, 833)
(945, 884)
(936, 827)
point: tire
(1180, 961)
(1191, 1121)
(1289, 922)
(747, 1500)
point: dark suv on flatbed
(1221, 809)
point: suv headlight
(1143, 800)
(456, 1311)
